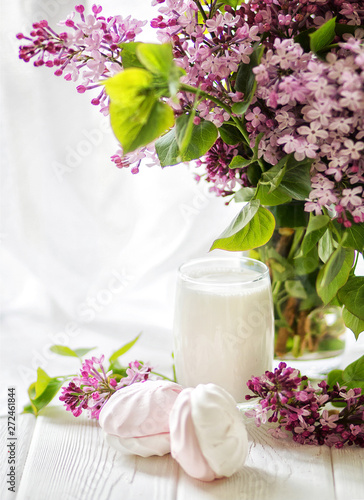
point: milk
(223, 328)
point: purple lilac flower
(216, 164)
(94, 387)
(299, 408)
(287, 18)
(88, 49)
(317, 113)
(208, 50)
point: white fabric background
(89, 253)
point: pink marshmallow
(138, 416)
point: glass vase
(308, 335)
(223, 324)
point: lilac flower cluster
(209, 50)
(297, 407)
(216, 164)
(88, 50)
(303, 105)
(94, 387)
(288, 18)
(316, 109)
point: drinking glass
(223, 323)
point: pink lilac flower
(256, 117)
(209, 51)
(94, 387)
(315, 117)
(88, 49)
(146, 154)
(299, 408)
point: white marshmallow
(208, 436)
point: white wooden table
(60, 457)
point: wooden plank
(24, 430)
(275, 470)
(69, 460)
(348, 467)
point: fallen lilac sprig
(299, 408)
(95, 386)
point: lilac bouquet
(266, 99)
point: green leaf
(128, 55)
(296, 181)
(307, 264)
(125, 348)
(315, 230)
(28, 409)
(355, 324)
(334, 274)
(167, 149)
(251, 228)
(239, 162)
(117, 369)
(63, 350)
(355, 237)
(157, 58)
(254, 172)
(82, 351)
(138, 128)
(322, 37)
(326, 246)
(335, 377)
(295, 289)
(354, 373)
(317, 222)
(352, 296)
(333, 266)
(290, 215)
(273, 177)
(48, 394)
(137, 117)
(130, 87)
(42, 382)
(245, 80)
(244, 194)
(43, 390)
(230, 134)
(203, 137)
(271, 198)
(183, 131)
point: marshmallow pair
(201, 427)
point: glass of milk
(224, 323)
